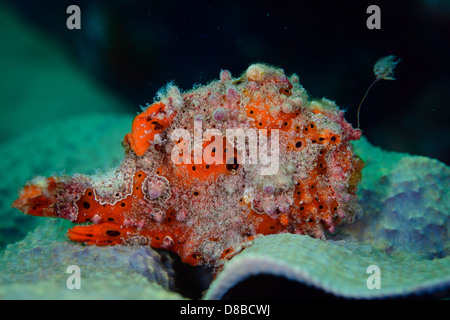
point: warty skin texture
(208, 212)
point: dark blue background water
(135, 47)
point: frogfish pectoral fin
(100, 234)
(146, 126)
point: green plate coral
(337, 267)
(404, 231)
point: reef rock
(406, 203)
(40, 267)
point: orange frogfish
(207, 171)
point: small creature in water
(382, 69)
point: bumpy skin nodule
(208, 212)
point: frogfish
(207, 171)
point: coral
(208, 202)
(105, 287)
(36, 268)
(406, 204)
(336, 267)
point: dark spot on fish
(113, 233)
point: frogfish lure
(194, 179)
